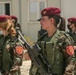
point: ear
(52, 20)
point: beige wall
(54, 3)
(4, 0)
(29, 29)
(15, 9)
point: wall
(68, 9)
(54, 3)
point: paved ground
(25, 67)
(26, 64)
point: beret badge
(44, 12)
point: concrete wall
(54, 3)
(68, 9)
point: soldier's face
(71, 27)
(10, 28)
(45, 22)
(7, 28)
(3, 32)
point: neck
(51, 31)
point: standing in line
(56, 46)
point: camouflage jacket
(54, 49)
(12, 52)
(73, 35)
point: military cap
(4, 18)
(13, 17)
(72, 19)
(50, 11)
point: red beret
(72, 19)
(13, 17)
(50, 11)
(4, 18)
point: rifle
(34, 52)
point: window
(4, 8)
(35, 7)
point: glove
(69, 69)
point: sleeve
(69, 52)
(69, 45)
(18, 54)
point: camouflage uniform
(10, 58)
(72, 31)
(53, 48)
(73, 35)
(11, 50)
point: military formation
(56, 45)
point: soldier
(72, 32)
(56, 45)
(11, 50)
(72, 28)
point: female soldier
(12, 50)
(56, 46)
(72, 32)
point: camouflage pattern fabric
(54, 49)
(73, 35)
(11, 59)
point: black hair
(62, 24)
(57, 19)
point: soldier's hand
(69, 70)
(26, 55)
(15, 68)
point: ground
(25, 67)
(26, 64)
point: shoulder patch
(19, 49)
(70, 50)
